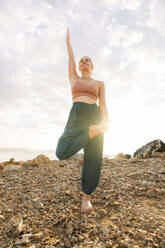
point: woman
(86, 124)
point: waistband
(84, 103)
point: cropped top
(85, 89)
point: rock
(156, 154)
(108, 244)
(38, 235)
(120, 156)
(105, 230)
(146, 155)
(19, 226)
(138, 156)
(69, 229)
(153, 146)
(37, 203)
(22, 241)
(163, 155)
(75, 246)
(2, 217)
(162, 171)
(67, 242)
(128, 156)
(41, 160)
(152, 192)
(12, 160)
(102, 212)
(2, 182)
(27, 235)
(162, 228)
(12, 167)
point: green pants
(75, 137)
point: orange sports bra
(85, 89)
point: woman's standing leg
(92, 162)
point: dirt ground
(40, 205)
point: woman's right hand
(68, 35)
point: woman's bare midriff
(85, 99)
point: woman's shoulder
(99, 83)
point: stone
(138, 156)
(69, 229)
(120, 156)
(152, 192)
(22, 241)
(156, 154)
(75, 246)
(105, 230)
(128, 156)
(162, 171)
(146, 155)
(41, 160)
(12, 167)
(162, 228)
(37, 203)
(102, 212)
(2, 182)
(38, 235)
(153, 146)
(2, 217)
(12, 160)
(163, 155)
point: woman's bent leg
(70, 142)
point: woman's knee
(60, 154)
(63, 152)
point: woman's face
(85, 64)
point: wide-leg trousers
(75, 137)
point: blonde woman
(86, 124)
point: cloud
(131, 4)
(157, 18)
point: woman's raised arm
(72, 65)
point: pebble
(162, 228)
(1, 182)
(12, 167)
(69, 229)
(22, 241)
(2, 217)
(105, 230)
(37, 203)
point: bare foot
(86, 204)
(95, 130)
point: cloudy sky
(124, 38)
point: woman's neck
(86, 76)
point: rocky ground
(40, 204)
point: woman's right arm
(72, 65)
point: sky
(126, 42)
